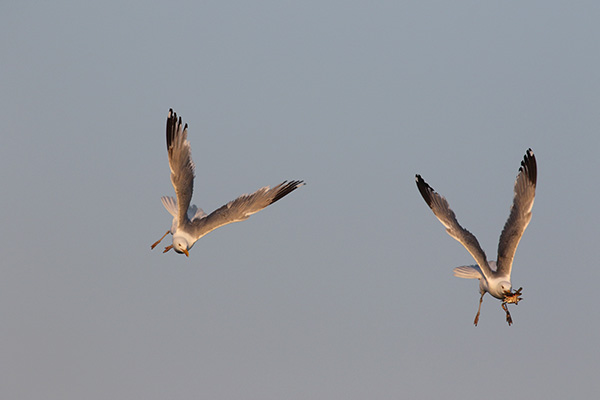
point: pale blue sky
(342, 290)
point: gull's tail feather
(193, 213)
(468, 272)
(170, 204)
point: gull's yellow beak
(187, 253)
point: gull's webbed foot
(508, 317)
(158, 241)
(478, 309)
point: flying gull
(494, 276)
(190, 223)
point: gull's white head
(504, 287)
(180, 245)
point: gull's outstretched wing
(241, 208)
(520, 213)
(182, 166)
(440, 207)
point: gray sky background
(342, 290)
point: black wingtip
(286, 188)
(424, 188)
(171, 121)
(172, 116)
(173, 126)
(529, 166)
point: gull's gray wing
(182, 166)
(241, 208)
(520, 213)
(440, 207)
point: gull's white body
(190, 223)
(494, 276)
(194, 213)
(495, 284)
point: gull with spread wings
(494, 276)
(190, 223)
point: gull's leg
(168, 248)
(508, 317)
(159, 240)
(479, 309)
